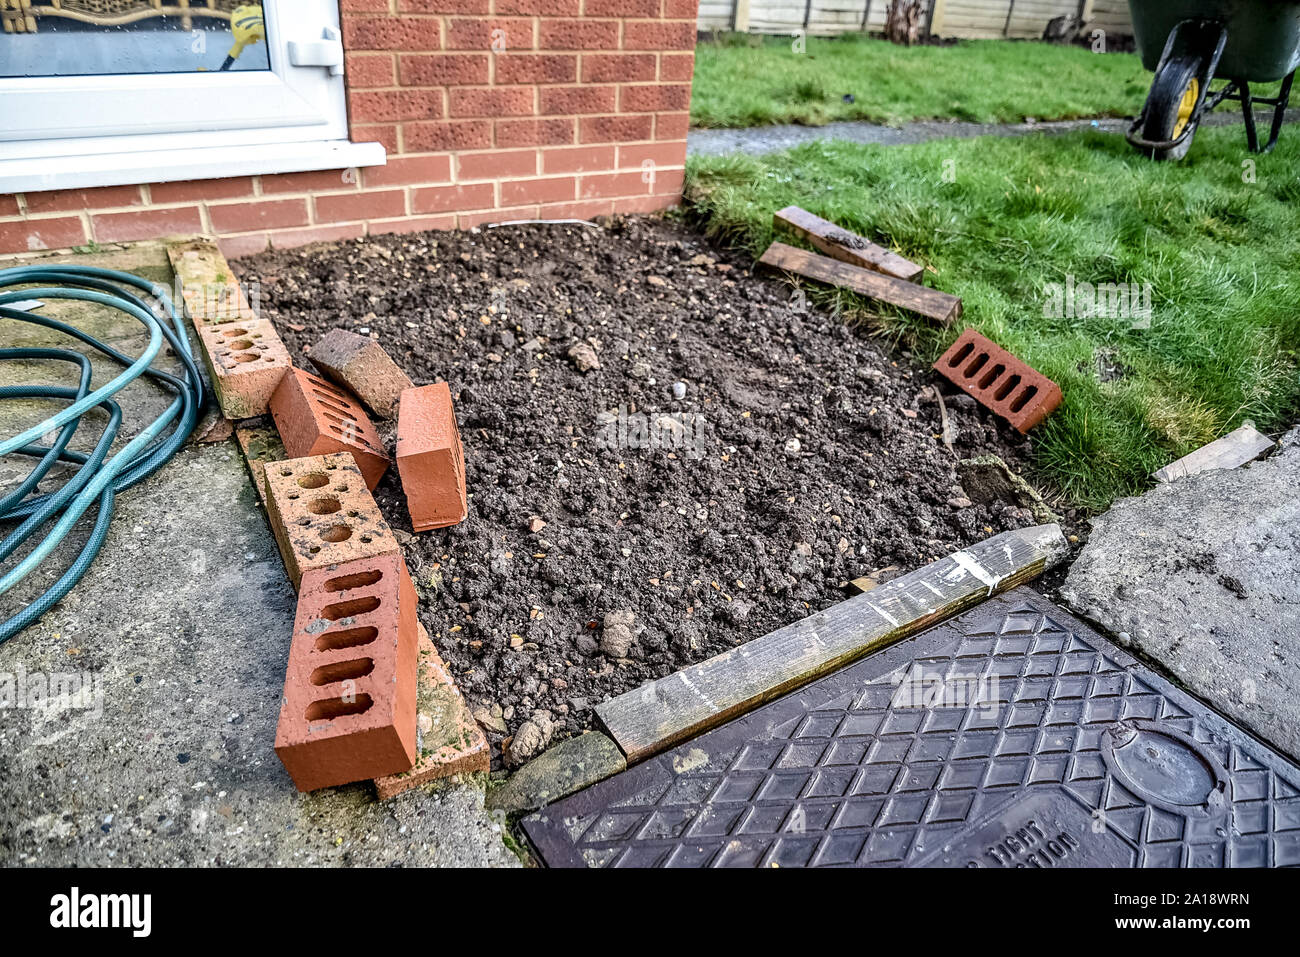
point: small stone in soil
(583, 356)
(531, 739)
(617, 634)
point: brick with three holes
(322, 514)
(246, 362)
(998, 380)
(315, 417)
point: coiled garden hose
(99, 476)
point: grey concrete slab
(1203, 575)
(137, 718)
(180, 631)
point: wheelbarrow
(1189, 43)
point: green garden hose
(99, 477)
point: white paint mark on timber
(968, 563)
(697, 692)
(932, 588)
(884, 614)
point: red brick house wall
(490, 110)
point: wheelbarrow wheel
(1172, 104)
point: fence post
(740, 16)
(807, 14)
(866, 15)
(936, 17)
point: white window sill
(29, 175)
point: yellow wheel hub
(1186, 106)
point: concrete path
(768, 139)
(1203, 575)
(178, 636)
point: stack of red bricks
(365, 694)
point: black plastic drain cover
(1011, 736)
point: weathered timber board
(209, 290)
(931, 303)
(659, 714)
(1236, 448)
(1012, 736)
(846, 246)
(260, 443)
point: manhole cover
(1011, 736)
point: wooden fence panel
(961, 18)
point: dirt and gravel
(667, 455)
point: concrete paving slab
(179, 632)
(769, 139)
(1203, 575)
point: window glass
(50, 38)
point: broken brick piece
(360, 364)
(322, 514)
(430, 458)
(315, 417)
(998, 380)
(246, 362)
(348, 710)
(450, 741)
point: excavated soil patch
(734, 459)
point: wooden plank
(657, 715)
(931, 303)
(1236, 448)
(209, 290)
(844, 245)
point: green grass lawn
(1222, 257)
(744, 80)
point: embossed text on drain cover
(1012, 736)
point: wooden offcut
(659, 714)
(931, 303)
(261, 446)
(1236, 448)
(846, 246)
(209, 290)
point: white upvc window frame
(80, 131)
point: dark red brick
(998, 380)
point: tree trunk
(902, 21)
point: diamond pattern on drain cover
(1011, 736)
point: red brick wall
(489, 109)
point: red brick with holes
(348, 709)
(998, 380)
(489, 110)
(314, 417)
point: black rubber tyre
(1179, 80)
